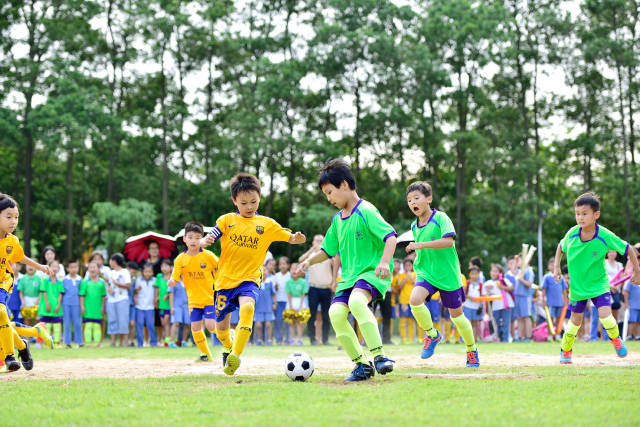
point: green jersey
(587, 273)
(439, 267)
(93, 293)
(163, 290)
(53, 291)
(359, 239)
(30, 286)
(297, 288)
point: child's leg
(412, 329)
(258, 332)
(346, 336)
(77, 325)
(420, 311)
(222, 331)
(402, 322)
(199, 337)
(166, 327)
(150, 322)
(463, 326)
(57, 332)
(609, 323)
(66, 318)
(358, 302)
(139, 327)
(571, 331)
(243, 332)
(269, 326)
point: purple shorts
(51, 319)
(599, 301)
(343, 296)
(162, 312)
(85, 320)
(449, 299)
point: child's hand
(207, 240)
(45, 269)
(557, 274)
(172, 283)
(48, 307)
(383, 271)
(302, 268)
(173, 311)
(635, 279)
(57, 310)
(166, 297)
(135, 300)
(297, 238)
(82, 311)
(412, 247)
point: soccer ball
(299, 366)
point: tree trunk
(165, 150)
(68, 245)
(461, 166)
(356, 135)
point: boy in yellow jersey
(244, 237)
(197, 268)
(11, 252)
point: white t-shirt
(120, 294)
(104, 269)
(281, 283)
(146, 293)
(491, 288)
(612, 270)
(473, 290)
(60, 275)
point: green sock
(57, 332)
(466, 331)
(569, 336)
(423, 317)
(338, 314)
(367, 322)
(611, 326)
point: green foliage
(112, 224)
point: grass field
(517, 384)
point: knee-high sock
(6, 334)
(201, 342)
(412, 330)
(224, 338)
(423, 317)
(346, 336)
(57, 332)
(466, 331)
(610, 325)
(569, 336)
(243, 330)
(24, 330)
(92, 332)
(367, 322)
(17, 341)
(402, 325)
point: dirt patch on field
(253, 365)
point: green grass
(545, 395)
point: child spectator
(132, 268)
(524, 294)
(49, 255)
(50, 306)
(631, 294)
(145, 293)
(613, 267)
(164, 307)
(264, 306)
(501, 313)
(397, 266)
(472, 308)
(280, 281)
(71, 305)
(476, 261)
(297, 288)
(404, 285)
(179, 314)
(14, 303)
(92, 294)
(118, 299)
(554, 294)
(29, 287)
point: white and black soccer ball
(299, 366)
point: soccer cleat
(172, 344)
(383, 364)
(361, 372)
(232, 364)
(25, 356)
(203, 358)
(565, 357)
(11, 363)
(621, 349)
(3, 368)
(225, 353)
(473, 361)
(430, 344)
(44, 335)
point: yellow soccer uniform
(197, 273)
(405, 292)
(10, 251)
(244, 244)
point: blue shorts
(522, 307)
(181, 314)
(434, 308)
(197, 314)
(472, 313)
(132, 313)
(264, 316)
(634, 315)
(227, 300)
(555, 312)
(405, 310)
(4, 296)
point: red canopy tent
(136, 247)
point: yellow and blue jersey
(197, 273)
(10, 252)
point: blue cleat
(361, 372)
(473, 361)
(621, 349)
(383, 364)
(430, 344)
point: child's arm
(557, 272)
(46, 302)
(297, 238)
(82, 305)
(156, 297)
(171, 302)
(311, 260)
(59, 303)
(44, 268)
(302, 302)
(633, 256)
(443, 243)
(382, 270)
(21, 299)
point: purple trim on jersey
(51, 319)
(322, 249)
(626, 250)
(352, 210)
(449, 299)
(603, 300)
(393, 233)
(99, 321)
(452, 234)
(343, 296)
(594, 236)
(433, 212)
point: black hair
(166, 261)
(45, 250)
(7, 202)
(407, 259)
(553, 259)
(477, 261)
(97, 254)
(118, 258)
(147, 265)
(152, 241)
(73, 261)
(335, 172)
(52, 261)
(474, 268)
(243, 183)
(590, 199)
(132, 264)
(420, 186)
(284, 258)
(498, 267)
(193, 226)
(565, 269)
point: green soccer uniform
(30, 286)
(53, 291)
(163, 290)
(297, 288)
(93, 292)
(360, 240)
(439, 267)
(587, 272)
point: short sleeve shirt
(197, 275)
(10, 252)
(554, 290)
(163, 290)
(93, 293)
(30, 286)
(53, 291)
(634, 295)
(297, 288)
(121, 276)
